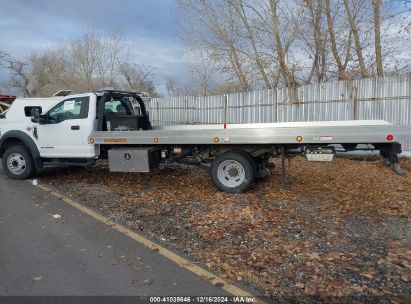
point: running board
(68, 163)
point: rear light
(390, 137)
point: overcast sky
(149, 25)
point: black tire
(252, 161)
(22, 158)
(242, 177)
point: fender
(27, 141)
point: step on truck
(77, 130)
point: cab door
(64, 131)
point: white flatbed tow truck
(76, 130)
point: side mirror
(35, 115)
(37, 118)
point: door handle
(75, 127)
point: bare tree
(95, 58)
(377, 37)
(112, 53)
(138, 77)
(202, 71)
(285, 71)
(340, 62)
(50, 72)
(250, 35)
(357, 40)
(220, 21)
(20, 73)
(227, 34)
(317, 42)
(266, 43)
(251, 45)
(84, 53)
(226, 87)
(173, 87)
(92, 61)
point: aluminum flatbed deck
(328, 132)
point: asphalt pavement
(76, 254)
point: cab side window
(73, 108)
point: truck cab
(62, 131)
(38, 132)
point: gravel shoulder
(341, 230)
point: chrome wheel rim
(231, 173)
(16, 163)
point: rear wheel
(232, 172)
(18, 163)
(252, 161)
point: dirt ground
(341, 230)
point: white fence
(387, 98)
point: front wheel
(232, 172)
(17, 163)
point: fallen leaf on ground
(37, 279)
(334, 221)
